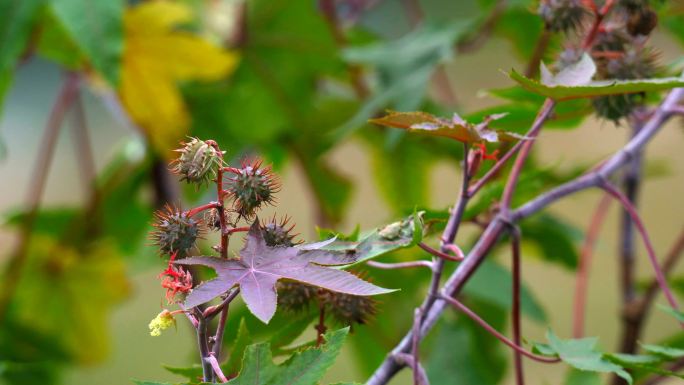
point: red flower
(176, 280)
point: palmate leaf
(260, 267)
(396, 235)
(582, 354)
(575, 82)
(303, 368)
(97, 28)
(454, 128)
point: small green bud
(277, 233)
(198, 162)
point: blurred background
(95, 97)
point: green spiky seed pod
(198, 162)
(562, 15)
(295, 296)
(613, 40)
(351, 309)
(616, 107)
(638, 63)
(175, 231)
(252, 187)
(277, 233)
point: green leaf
(192, 373)
(582, 354)
(97, 28)
(303, 368)
(580, 377)
(404, 67)
(679, 315)
(555, 238)
(665, 351)
(83, 283)
(238, 347)
(492, 284)
(464, 353)
(383, 240)
(596, 88)
(284, 336)
(55, 43)
(17, 19)
(29, 373)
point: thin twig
(584, 264)
(660, 276)
(512, 182)
(217, 368)
(203, 344)
(390, 366)
(415, 348)
(457, 258)
(465, 310)
(86, 160)
(400, 265)
(516, 271)
(46, 151)
(538, 54)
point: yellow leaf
(156, 58)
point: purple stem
(517, 348)
(400, 265)
(517, 358)
(217, 368)
(660, 277)
(460, 276)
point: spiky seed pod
(612, 39)
(350, 309)
(634, 5)
(636, 63)
(642, 22)
(175, 231)
(295, 296)
(562, 15)
(277, 233)
(616, 107)
(198, 162)
(252, 187)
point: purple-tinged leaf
(455, 128)
(260, 267)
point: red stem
(464, 309)
(660, 276)
(582, 277)
(515, 245)
(199, 209)
(440, 254)
(512, 182)
(600, 15)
